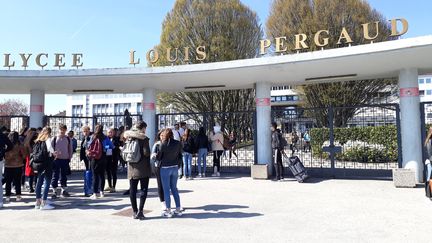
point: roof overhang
(377, 60)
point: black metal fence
(76, 123)
(426, 123)
(242, 124)
(14, 123)
(344, 141)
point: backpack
(131, 151)
(39, 156)
(95, 149)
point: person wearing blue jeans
(170, 156)
(169, 176)
(202, 156)
(187, 165)
(188, 150)
(202, 145)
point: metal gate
(75, 123)
(242, 123)
(14, 123)
(355, 141)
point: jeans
(169, 176)
(202, 155)
(45, 178)
(13, 175)
(187, 164)
(133, 187)
(60, 169)
(428, 171)
(1, 179)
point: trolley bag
(88, 176)
(297, 168)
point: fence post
(331, 137)
(255, 129)
(399, 136)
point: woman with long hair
(97, 161)
(44, 170)
(202, 145)
(13, 166)
(188, 149)
(29, 142)
(170, 156)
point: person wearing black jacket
(170, 156)
(188, 150)
(277, 147)
(5, 146)
(202, 145)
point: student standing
(139, 172)
(13, 166)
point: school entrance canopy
(405, 59)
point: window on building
(429, 92)
(421, 92)
(273, 99)
(421, 81)
(428, 80)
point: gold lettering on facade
(366, 31)
(317, 38)
(264, 45)
(280, 44)
(59, 60)
(152, 56)
(300, 40)
(38, 60)
(7, 61)
(132, 58)
(394, 31)
(169, 55)
(201, 54)
(344, 35)
(25, 59)
(76, 60)
(186, 54)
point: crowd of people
(43, 160)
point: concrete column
(263, 109)
(410, 122)
(37, 107)
(149, 113)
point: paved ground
(235, 209)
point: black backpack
(39, 158)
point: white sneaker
(167, 214)
(37, 206)
(218, 174)
(18, 198)
(178, 212)
(214, 174)
(93, 197)
(101, 195)
(7, 200)
(199, 175)
(163, 206)
(46, 207)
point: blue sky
(106, 32)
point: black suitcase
(297, 168)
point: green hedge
(378, 144)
